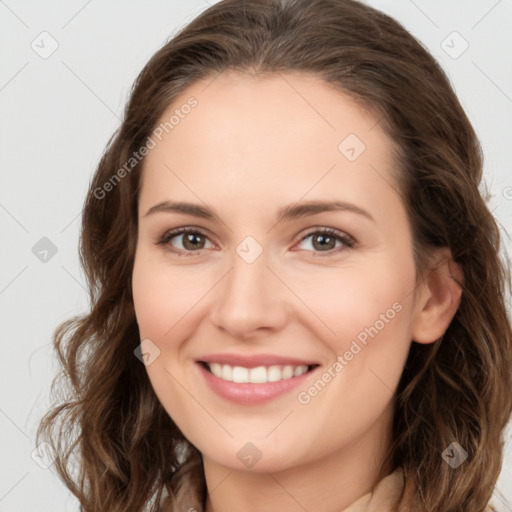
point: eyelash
(348, 241)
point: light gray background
(57, 114)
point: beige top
(385, 496)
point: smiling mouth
(258, 374)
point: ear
(438, 298)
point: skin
(252, 145)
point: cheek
(151, 302)
(163, 296)
(357, 302)
(163, 307)
(369, 312)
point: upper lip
(254, 360)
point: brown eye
(328, 241)
(185, 240)
(192, 241)
(323, 242)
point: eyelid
(347, 240)
(172, 233)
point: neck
(329, 483)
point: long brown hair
(129, 453)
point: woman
(297, 296)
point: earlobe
(439, 301)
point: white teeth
(258, 375)
(287, 372)
(240, 374)
(299, 370)
(216, 369)
(273, 374)
(227, 372)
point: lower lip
(249, 393)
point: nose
(250, 299)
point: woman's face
(256, 289)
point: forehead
(249, 134)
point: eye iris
(192, 238)
(321, 241)
(323, 238)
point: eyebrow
(292, 211)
